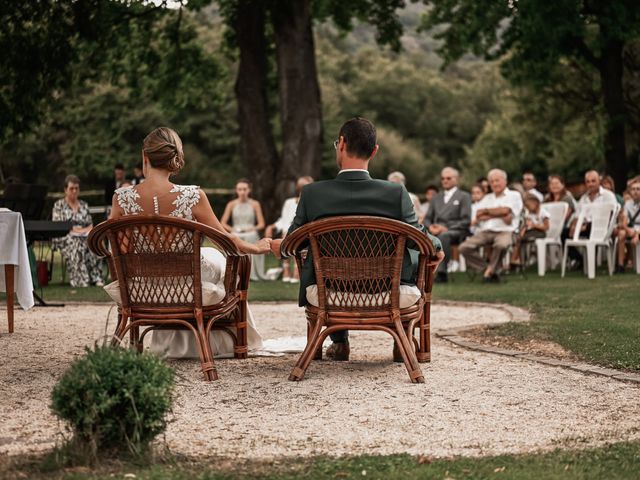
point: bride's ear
(145, 163)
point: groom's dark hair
(360, 136)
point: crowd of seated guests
(494, 218)
(481, 225)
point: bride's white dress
(181, 343)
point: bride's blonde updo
(163, 147)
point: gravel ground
(471, 404)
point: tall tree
(537, 38)
(288, 26)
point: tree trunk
(300, 107)
(257, 145)
(611, 72)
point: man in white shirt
(280, 227)
(499, 212)
(595, 194)
(529, 184)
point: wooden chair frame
(375, 266)
(116, 239)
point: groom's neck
(354, 163)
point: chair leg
(120, 327)
(424, 351)
(637, 258)
(591, 260)
(564, 260)
(318, 354)
(134, 335)
(206, 355)
(541, 253)
(408, 353)
(241, 343)
(314, 340)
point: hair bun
(177, 162)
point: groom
(354, 192)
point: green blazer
(356, 193)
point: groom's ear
(375, 150)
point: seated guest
(536, 224)
(485, 184)
(449, 217)
(398, 177)
(595, 194)
(138, 176)
(82, 265)
(245, 215)
(629, 230)
(558, 193)
(117, 181)
(609, 184)
(529, 184)
(280, 227)
(429, 193)
(477, 194)
(500, 213)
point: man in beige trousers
(499, 216)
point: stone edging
(521, 315)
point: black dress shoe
(441, 277)
(619, 269)
(338, 352)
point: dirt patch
(485, 335)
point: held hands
(275, 248)
(439, 259)
(263, 245)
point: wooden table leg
(9, 287)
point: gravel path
(472, 403)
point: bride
(162, 156)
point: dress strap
(127, 200)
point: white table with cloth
(14, 257)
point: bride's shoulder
(187, 193)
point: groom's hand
(439, 259)
(275, 248)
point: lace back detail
(127, 200)
(188, 197)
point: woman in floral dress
(83, 266)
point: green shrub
(114, 399)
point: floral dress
(83, 266)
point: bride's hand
(263, 245)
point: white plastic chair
(557, 212)
(603, 221)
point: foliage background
(466, 114)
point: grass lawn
(595, 319)
(617, 461)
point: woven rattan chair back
(358, 266)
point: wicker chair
(358, 264)
(156, 260)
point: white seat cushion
(409, 295)
(211, 293)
